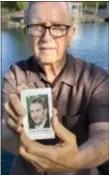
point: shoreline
(15, 20)
(11, 19)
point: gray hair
(26, 10)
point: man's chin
(38, 123)
(48, 60)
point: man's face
(47, 48)
(37, 113)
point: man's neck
(53, 70)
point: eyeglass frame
(48, 27)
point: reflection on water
(90, 43)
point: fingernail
(31, 85)
(56, 120)
(20, 121)
(23, 113)
(19, 128)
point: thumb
(25, 141)
(63, 133)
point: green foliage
(89, 3)
(20, 5)
(15, 5)
(102, 4)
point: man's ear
(71, 34)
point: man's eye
(58, 27)
(36, 27)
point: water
(90, 44)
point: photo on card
(38, 106)
(38, 112)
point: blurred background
(91, 20)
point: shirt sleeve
(99, 104)
(13, 78)
(9, 87)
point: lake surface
(91, 44)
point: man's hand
(59, 158)
(15, 111)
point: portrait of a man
(38, 113)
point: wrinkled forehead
(48, 12)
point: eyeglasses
(38, 30)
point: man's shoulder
(89, 66)
(19, 67)
(17, 72)
(88, 72)
(23, 64)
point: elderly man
(80, 95)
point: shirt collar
(68, 75)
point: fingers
(54, 112)
(15, 110)
(10, 112)
(40, 163)
(43, 164)
(31, 158)
(17, 105)
(26, 155)
(21, 87)
(25, 141)
(30, 145)
(31, 85)
(64, 134)
(24, 86)
(16, 129)
(34, 147)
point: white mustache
(47, 48)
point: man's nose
(47, 36)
